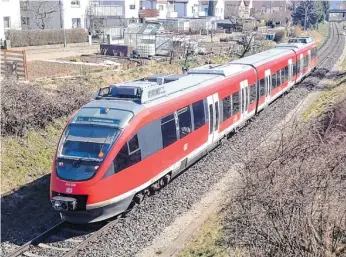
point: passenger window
(286, 74)
(216, 115)
(294, 69)
(198, 114)
(262, 87)
(133, 144)
(278, 78)
(227, 107)
(236, 102)
(274, 80)
(252, 93)
(211, 118)
(184, 117)
(126, 158)
(168, 129)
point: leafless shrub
(28, 106)
(291, 195)
(38, 37)
(279, 36)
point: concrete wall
(9, 8)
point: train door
(245, 98)
(268, 86)
(290, 71)
(309, 60)
(214, 117)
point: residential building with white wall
(164, 7)
(9, 16)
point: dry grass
(206, 242)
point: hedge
(36, 37)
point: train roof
(263, 57)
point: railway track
(63, 239)
(328, 50)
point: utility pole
(305, 16)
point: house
(54, 14)
(215, 8)
(236, 8)
(165, 8)
(9, 16)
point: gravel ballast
(136, 231)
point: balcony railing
(108, 11)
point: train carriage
(134, 137)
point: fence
(13, 63)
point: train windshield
(87, 141)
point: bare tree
(40, 12)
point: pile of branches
(290, 199)
(29, 106)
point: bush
(279, 36)
(290, 197)
(36, 37)
(27, 106)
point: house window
(7, 22)
(132, 6)
(76, 23)
(25, 21)
(75, 3)
(160, 7)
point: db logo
(68, 190)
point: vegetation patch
(28, 158)
(207, 241)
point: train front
(80, 163)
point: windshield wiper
(75, 158)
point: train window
(252, 93)
(198, 114)
(133, 144)
(278, 78)
(227, 107)
(168, 129)
(274, 85)
(124, 158)
(282, 76)
(216, 105)
(294, 68)
(184, 117)
(286, 74)
(262, 87)
(236, 102)
(211, 118)
(305, 61)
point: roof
(145, 28)
(263, 57)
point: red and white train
(137, 135)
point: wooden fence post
(25, 65)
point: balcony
(172, 14)
(103, 11)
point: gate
(13, 64)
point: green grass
(207, 241)
(26, 159)
(329, 97)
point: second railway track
(63, 239)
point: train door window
(217, 118)
(274, 79)
(227, 107)
(286, 71)
(129, 155)
(306, 62)
(184, 117)
(282, 76)
(198, 114)
(262, 87)
(169, 131)
(252, 93)
(278, 78)
(236, 102)
(211, 119)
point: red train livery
(134, 137)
